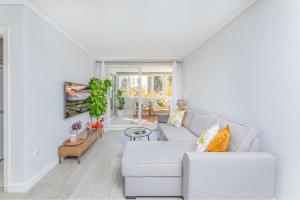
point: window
(158, 85)
(146, 86)
(134, 86)
(152, 85)
(168, 81)
(123, 84)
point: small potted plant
(161, 103)
(76, 127)
(121, 102)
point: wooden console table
(89, 137)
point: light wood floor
(97, 177)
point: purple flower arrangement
(76, 126)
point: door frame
(5, 32)
(108, 114)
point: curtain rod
(138, 61)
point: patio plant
(98, 98)
(121, 102)
(161, 103)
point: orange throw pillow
(220, 142)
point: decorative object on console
(76, 127)
(88, 126)
(86, 140)
(98, 123)
(181, 104)
(73, 138)
(206, 137)
(176, 117)
(77, 142)
(121, 103)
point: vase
(73, 138)
(76, 132)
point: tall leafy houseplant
(121, 102)
(98, 99)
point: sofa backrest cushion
(255, 145)
(189, 114)
(200, 122)
(241, 135)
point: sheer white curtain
(176, 84)
(99, 70)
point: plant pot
(120, 113)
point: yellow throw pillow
(220, 142)
(176, 118)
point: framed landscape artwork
(77, 97)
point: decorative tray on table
(68, 143)
(140, 132)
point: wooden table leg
(78, 160)
(59, 160)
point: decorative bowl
(139, 132)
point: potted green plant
(98, 98)
(121, 102)
(161, 103)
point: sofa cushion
(176, 118)
(163, 158)
(200, 123)
(220, 142)
(206, 137)
(189, 114)
(255, 145)
(241, 135)
(176, 134)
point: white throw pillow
(206, 137)
(176, 117)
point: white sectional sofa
(171, 167)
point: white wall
(11, 16)
(49, 60)
(250, 71)
(41, 60)
(1, 50)
(1, 101)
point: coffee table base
(133, 138)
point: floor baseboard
(24, 187)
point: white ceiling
(141, 29)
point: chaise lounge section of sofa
(171, 167)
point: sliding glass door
(139, 94)
(156, 89)
(124, 96)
